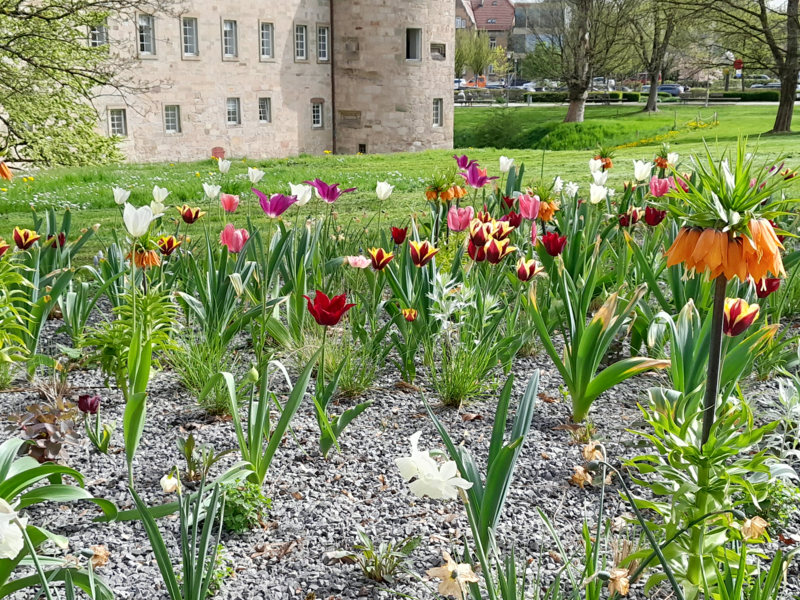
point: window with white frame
(98, 35)
(118, 123)
(147, 39)
(300, 42)
(172, 119)
(492, 43)
(230, 44)
(316, 115)
(461, 23)
(413, 44)
(234, 111)
(323, 33)
(267, 40)
(265, 110)
(191, 47)
(438, 112)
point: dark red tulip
(89, 404)
(513, 219)
(60, 240)
(399, 235)
(553, 243)
(509, 201)
(629, 218)
(476, 253)
(653, 216)
(3, 247)
(767, 286)
(328, 311)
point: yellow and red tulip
(3, 247)
(422, 253)
(528, 269)
(409, 314)
(501, 230)
(479, 233)
(189, 214)
(380, 258)
(497, 250)
(25, 238)
(739, 316)
(167, 244)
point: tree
(763, 33)
(49, 74)
(652, 27)
(462, 48)
(478, 54)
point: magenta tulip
(275, 206)
(464, 162)
(328, 193)
(476, 177)
(458, 219)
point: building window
(147, 40)
(98, 35)
(316, 115)
(438, 51)
(267, 30)
(438, 112)
(230, 44)
(172, 119)
(491, 21)
(234, 112)
(190, 45)
(322, 43)
(460, 23)
(362, 148)
(265, 110)
(492, 43)
(413, 44)
(118, 122)
(300, 42)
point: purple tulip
(463, 161)
(329, 193)
(476, 177)
(275, 206)
(89, 404)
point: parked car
(760, 77)
(459, 83)
(673, 89)
(756, 86)
(773, 85)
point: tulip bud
(252, 375)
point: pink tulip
(679, 182)
(229, 202)
(233, 238)
(358, 262)
(659, 187)
(458, 219)
(529, 206)
(534, 232)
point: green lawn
(87, 191)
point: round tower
(392, 75)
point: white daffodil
(672, 159)
(438, 483)
(254, 175)
(642, 170)
(169, 483)
(571, 190)
(600, 177)
(11, 539)
(158, 209)
(597, 193)
(410, 465)
(212, 191)
(160, 194)
(595, 164)
(506, 164)
(302, 192)
(224, 166)
(137, 220)
(121, 195)
(558, 185)
(384, 190)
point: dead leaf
(276, 549)
(555, 556)
(592, 451)
(349, 495)
(297, 495)
(549, 399)
(100, 557)
(402, 385)
(785, 539)
(581, 477)
(471, 417)
(567, 427)
(545, 456)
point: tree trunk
(652, 98)
(577, 105)
(783, 120)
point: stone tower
(392, 73)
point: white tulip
(506, 164)
(137, 220)
(571, 190)
(595, 164)
(302, 193)
(558, 185)
(255, 175)
(384, 190)
(597, 193)
(169, 483)
(672, 159)
(160, 194)
(224, 166)
(212, 191)
(642, 170)
(11, 539)
(158, 209)
(121, 195)
(600, 177)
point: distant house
(495, 17)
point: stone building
(274, 78)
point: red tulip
(767, 286)
(479, 233)
(514, 219)
(653, 216)
(189, 214)
(167, 244)
(629, 218)
(328, 311)
(476, 253)
(775, 226)
(554, 243)
(59, 241)
(3, 247)
(399, 235)
(509, 201)
(409, 314)
(89, 404)
(25, 238)
(380, 258)
(422, 253)
(739, 316)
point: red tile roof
(495, 15)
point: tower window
(413, 44)
(147, 40)
(190, 45)
(438, 112)
(267, 31)
(316, 115)
(300, 42)
(322, 43)
(265, 110)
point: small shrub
(758, 96)
(6, 375)
(382, 562)
(50, 426)
(195, 362)
(460, 373)
(781, 502)
(631, 96)
(245, 506)
(359, 371)
(223, 569)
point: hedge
(759, 96)
(631, 96)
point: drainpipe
(333, 79)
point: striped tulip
(189, 214)
(409, 314)
(380, 258)
(739, 316)
(422, 253)
(25, 238)
(497, 250)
